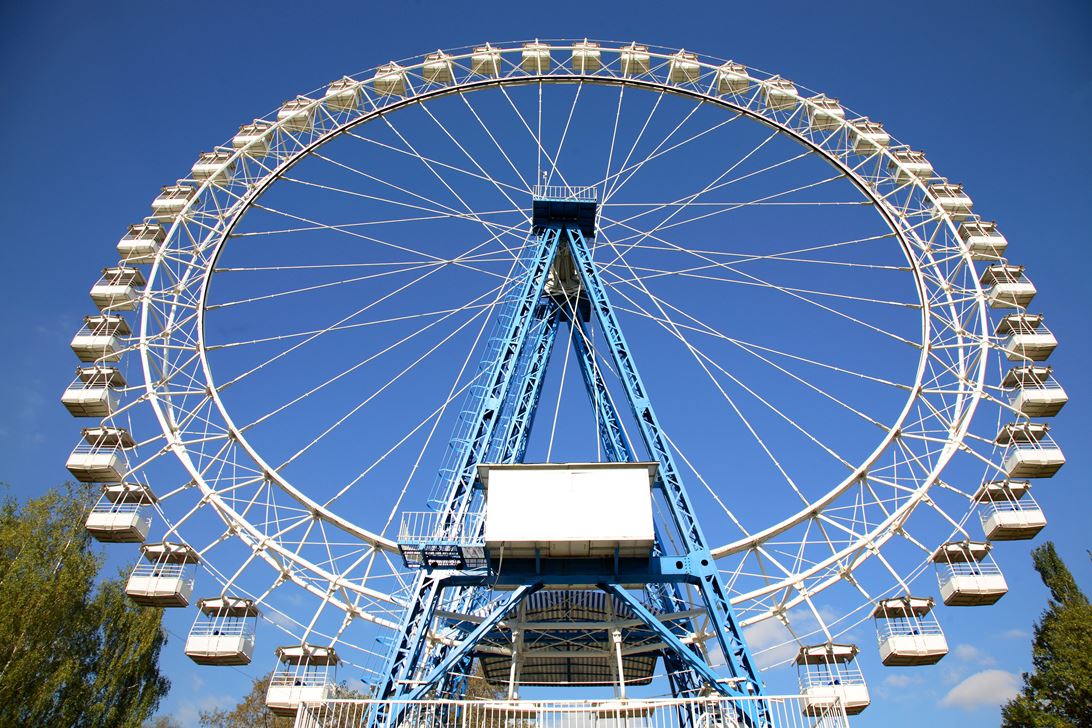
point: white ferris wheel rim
(263, 545)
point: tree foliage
(72, 653)
(1058, 691)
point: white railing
(163, 571)
(107, 506)
(565, 192)
(768, 712)
(305, 677)
(223, 627)
(903, 627)
(424, 527)
(968, 568)
(1027, 503)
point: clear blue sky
(103, 103)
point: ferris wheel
(475, 277)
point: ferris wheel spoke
(768, 200)
(372, 223)
(432, 169)
(436, 416)
(409, 268)
(433, 417)
(489, 133)
(727, 397)
(360, 405)
(564, 131)
(805, 299)
(390, 347)
(702, 327)
(637, 139)
(536, 137)
(656, 154)
(346, 327)
(619, 183)
(296, 347)
(648, 273)
(502, 187)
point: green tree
(71, 653)
(1058, 691)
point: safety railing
(222, 627)
(565, 192)
(425, 527)
(903, 627)
(766, 712)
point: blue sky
(106, 103)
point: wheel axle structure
(564, 365)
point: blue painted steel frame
(501, 425)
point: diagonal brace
(472, 639)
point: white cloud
(986, 688)
(900, 681)
(1016, 634)
(970, 653)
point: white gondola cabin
(171, 201)
(952, 199)
(102, 338)
(732, 78)
(829, 673)
(968, 575)
(485, 61)
(120, 515)
(93, 393)
(342, 95)
(1033, 391)
(1008, 512)
(684, 68)
(215, 167)
(779, 94)
(141, 242)
(165, 578)
(1025, 337)
(825, 114)
(908, 165)
(297, 114)
(908, 632)
(586, 57)
(306, 673)
(1006, 286)
(437, 68)
(535, 57)
(99, 457)
(118, 289)
(223, 633)
(253, 138)
(389, 80)
(983, 240)
(868, 137)
(634, 60)
(1030, 450)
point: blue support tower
(460, 593)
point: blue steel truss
(495, 427)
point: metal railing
(223, 627)
(903, 627)
(767, 712)
(565, 192)
(162, 571)
(424, 527)
(968, 568)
